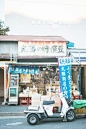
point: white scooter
(34, 114)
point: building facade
(31, 54)
(18, 52)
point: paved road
(21, 123)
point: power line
(32, 1)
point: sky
(55, 10)
(2, 10)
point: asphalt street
(20, 122)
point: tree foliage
(3, 29)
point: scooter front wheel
(71, 115)
(32, 119)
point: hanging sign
(65, 76)
(41, 48)
(23, 70)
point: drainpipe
(4, 85)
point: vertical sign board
(65, 76)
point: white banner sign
(26, 48)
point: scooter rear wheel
(71, 115)
(32, 119)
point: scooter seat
(48, 102)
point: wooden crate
(30, 100)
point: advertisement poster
(25, 78)
(13, 92)
(65, 76)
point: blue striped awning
(79, 56)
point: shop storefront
(41, 79)
(38, 76)
(36, 69)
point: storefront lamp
(46, 72)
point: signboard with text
(24, 70)
(65, 76)
(41, 48)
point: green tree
(3, 29)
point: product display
(45, 82)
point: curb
(12, 114)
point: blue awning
(70, 44)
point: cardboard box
(47, 93)
(57, 104)
(41, 91)
(74, 87)
(45, 97)
(53, 84)
(53, 94)
(36, 100)
(23, 95)
(57, 101)
(32, 93)
(57, 83)
(33, 89)
(75, 93)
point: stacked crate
(30, 100)
(24, 101)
